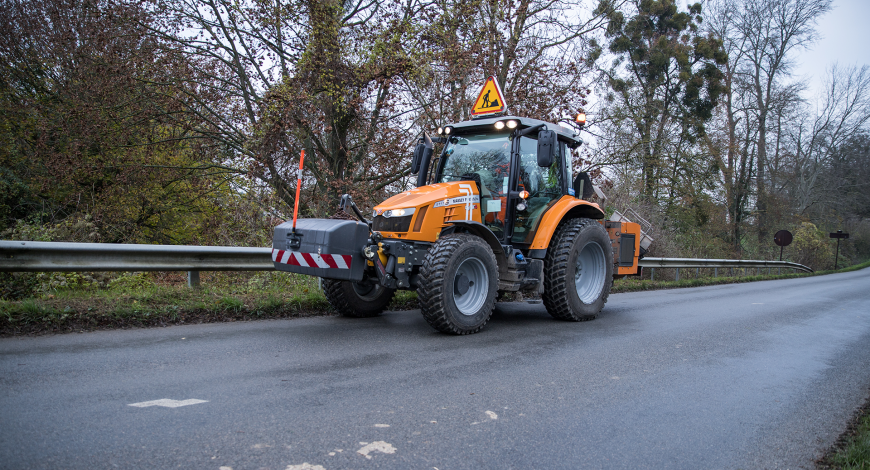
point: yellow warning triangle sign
(490, 100)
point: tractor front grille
(392, 224)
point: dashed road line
(168, 403)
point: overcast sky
(845, 32)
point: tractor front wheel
(578, 270)
(458, 284)
(357, 299)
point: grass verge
(852, 449)
(136, 302)
(126, 306)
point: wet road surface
(758, 375)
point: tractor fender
(482, 231)
(568, 207)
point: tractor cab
(501, 155)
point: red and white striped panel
(311, 260)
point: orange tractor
(497, 211)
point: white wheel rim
(589, 273)
(473, 299)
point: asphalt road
(760, 375)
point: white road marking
(377, 446)
(491, 415)
(168, 403)
(382, 425)
(305, 466)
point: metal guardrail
(30, 256)
(678, 263)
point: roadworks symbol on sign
(490, 100)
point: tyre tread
(555, 294)
(334, 290)
(431, 291)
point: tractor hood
(421, 213)
(423, 195)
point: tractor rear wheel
(578, 270)
(357, 299)
(458, 284)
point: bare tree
(539, 51)
(274, 77)
(730, 142)
(818, 140)
(769, 32)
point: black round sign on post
(782, 239)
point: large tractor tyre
(578, 270)
(458, 284)
(357, 299)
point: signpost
(838, 235)
(782, 239)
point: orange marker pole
(298, 186)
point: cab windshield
(487, 155)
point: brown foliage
(83, 117)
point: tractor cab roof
(489, 124)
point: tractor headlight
(512, 124)
(399, 212)
(499, 125)
(448, 130)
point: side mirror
(418, 158)
(425, 150)
(546, 148)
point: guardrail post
(678, 275)
(193, 279)
(652, 274)
(716, 272)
